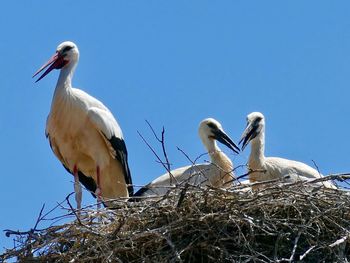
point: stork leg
(77, 188)
(98, 189)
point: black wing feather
(119, 146)
(141, 191)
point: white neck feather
(257, 156)
(210, 145)
(64, 83)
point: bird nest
(282, 223)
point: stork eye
(212, 125)
(256, 122)
(258, 119)
(66, 49)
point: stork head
(255, 125)
(67, 53)
(210, 130)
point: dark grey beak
(222, 137)
(249, 134)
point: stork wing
(104, 121)
(193, 174)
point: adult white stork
(269, 168)
(217, 173)
(84, 135)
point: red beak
(55, 62)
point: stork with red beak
(84, 135)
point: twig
(31, 232)
(182, 195)
(295, 247)
(339, 241)
(165, 164)
(306, 252)
(162, 141)
(39, 217)
(73, 210)
(318, 170)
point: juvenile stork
(269, 168)
(84, 135)
(217, 173)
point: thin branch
(153, 151)
(73, 210)
(161, 141)
(166, 164)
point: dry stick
(157, 156)
(71, 207)
(189, 159)
(340, 177)
(162, 141)
(295, 247)
(193, 162)
(55, 207)
(39, 217)
(117, 229)
(35, 226)
(31, 232)
(153, 151)
(341, 242)
(173, 248)
(9, 232)
(247, 174)
(182, 195)
(306, 252)
(235, 179)
(81, 223)
(318, 170)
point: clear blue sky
(173, 63)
